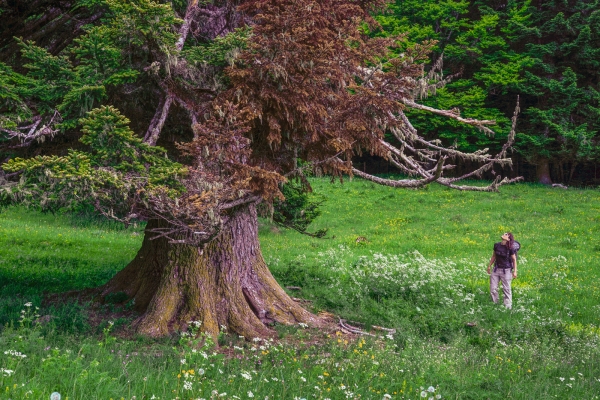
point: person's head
(508, 238)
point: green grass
(421, 271)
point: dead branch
(158, 121)
(162, 111)
(404, 183)
(30, 133)
(479, 123)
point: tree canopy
(284, 81)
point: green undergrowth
(418, 267)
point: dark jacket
(503, 256)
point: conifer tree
(267, 89)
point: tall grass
(421, 270)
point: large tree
(256, 94)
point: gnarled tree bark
(226, 283)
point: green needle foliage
(562, 118)
(117, 171)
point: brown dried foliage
(304, 87)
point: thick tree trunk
(543, 172)
(227, 283)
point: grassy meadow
(418, 267)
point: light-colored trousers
(504, 275)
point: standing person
(505, 268)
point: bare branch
(158, 121)
(185, 27)
(401, 183)
(239, 202)
(33, 133)
(479, 123)
(162, 111)
(493, 187)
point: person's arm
(514, 262)
(491, 262)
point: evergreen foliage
(115, 175)
(547, 52)
(562, 118)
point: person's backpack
(516, 246)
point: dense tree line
(548, 52)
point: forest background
(546, 51)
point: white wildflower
(250, 394)
(6, 372)
(183, 361)
(423, 394)
(200, 371)
(431, 389)
(187, 385)
(246, 375)
(15, 353)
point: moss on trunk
(226, 283)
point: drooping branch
(493, 187)
(432, 151)
(404, 183)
